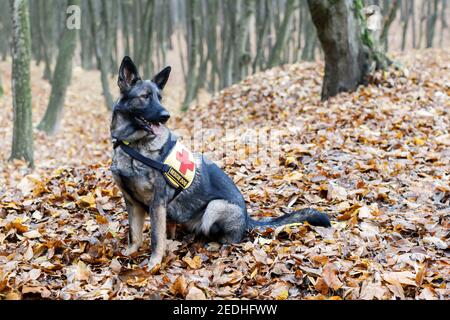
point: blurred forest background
(211, 44)
(376, 158)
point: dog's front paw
(154, 265)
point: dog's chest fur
(136, 180)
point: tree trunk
(339, 33)
(193, 46)
(114, 59)
(310, 39)
(44, 37)
(85, 41)
(100, 55)
(5, 31)
(212, 12)
(407, 9)
(431, 22)
(34, 16)
(146, 54)
(391, 14)
(22, 145)
(126, 7)
(228, 32)
(61, 78)
(282, 35)
(423, 18)
(262, 29)
(242, 55)
(444, 24)
(413, 20)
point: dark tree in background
(193, 54)
(282, 35)
(61, 78)
(432, 13)
(1, 87)
(339, 31)
(102, 42)
(22, 146)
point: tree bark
(85, 41)
(5, 31)
(407, 10)
(413, 27)
(212, 12)
(100, 55)
(390, 17)
(34, 16)
(310, 39)
(43, 36)
(228, 33)
(263, 29)
(282, 35)
(146, 39)
(193, 46)
(431, 22)
(61, 78)
(339, 33)
(126, 8)
(242, 55)
(444, 24)
(423, 18)
(22, 145)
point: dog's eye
(145, 96)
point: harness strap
(147, 161)
(162, 167)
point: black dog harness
(178, 167)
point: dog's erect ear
(161, 78)
(128, 74)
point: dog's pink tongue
(156, 128)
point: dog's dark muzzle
(152, 121)
(154, 114)
(164, 117)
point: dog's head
(139, 113)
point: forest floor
(376, 160)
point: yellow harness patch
(182, 166)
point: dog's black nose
(164, 116)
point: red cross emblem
(186, 164)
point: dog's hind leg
(224, 222)
(136, 218)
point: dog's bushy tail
(313, 217)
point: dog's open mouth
(152, 127)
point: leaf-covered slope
(377, 161)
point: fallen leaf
(193, 263)
(281, 292)
(260, 256)
(329, 275)
(438, 243)
(401, 277)
(33, 234)
(195, 294)
(336, 192)
(179, 287)
(42, 291)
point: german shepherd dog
(212, 206)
